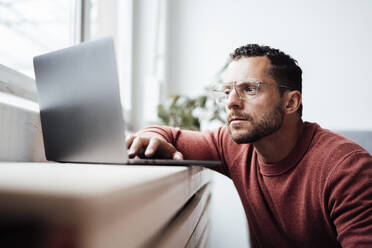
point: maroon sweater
(320, 195)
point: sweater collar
(293, 157)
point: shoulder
(332, 147)
(330, 156)
(338, 160)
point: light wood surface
(204, 239)
(178, 232)
(201, 227)
(106, 205)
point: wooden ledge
(106, 205)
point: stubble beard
(270, 123)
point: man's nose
(234, 101)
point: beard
(270, 123)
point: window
(33, 27)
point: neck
(277, 146)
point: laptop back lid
(80, 107)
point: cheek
(259, 109)
(254, 109)
(269, 101)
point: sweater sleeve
(349, 191)
(192, 144)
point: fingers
(152, 147)
(140, 147)
(129, 140)
(137, 145)
(177, 156)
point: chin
(242, 137)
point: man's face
(249, 120)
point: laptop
(80, 107)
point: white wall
(330, 39)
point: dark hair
(284, 69)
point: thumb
(177, 156)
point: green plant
(187, 112)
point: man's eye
(248, 89)
(226, 91)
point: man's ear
(292, 101)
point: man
(300, 185)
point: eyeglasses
(245, 90)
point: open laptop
(80, 108)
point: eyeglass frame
(253, 81)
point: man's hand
(151, 147)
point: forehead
(248, 67)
